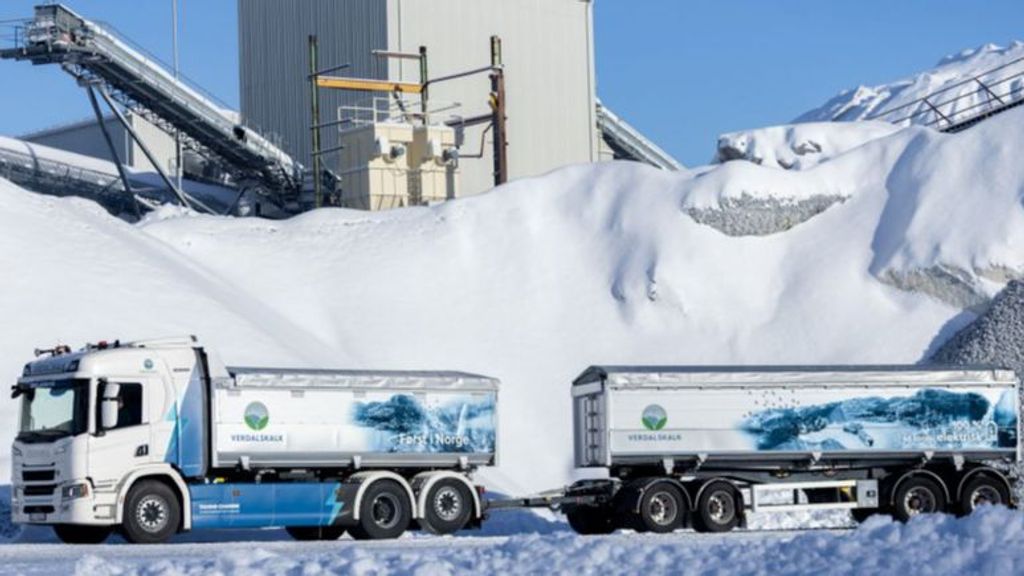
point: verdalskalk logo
(256, 416)
(654, 417)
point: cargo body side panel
(334, 424)
(770, 421)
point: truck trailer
(157, 437)
(700, 446)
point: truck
(156, 437)
(700, 446)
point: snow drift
(798, 146)
(532, 282)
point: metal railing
(962, 104)
(381, 109)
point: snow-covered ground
(990, 542)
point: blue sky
(682, 71)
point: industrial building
(511, 86)
(553, 115)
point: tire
(79, 534)
(309, 533)
(384, 513)
(918, 495)
(662, 509)
(449, 506)
(152, 513)
(983, 489)
(719, 508)
(590, 520)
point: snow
(538, 279)
(864, 102)
(799, 146)
(991, 541)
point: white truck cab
(94, 421)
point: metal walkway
(961, 105)
(95, 56)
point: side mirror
(108, 406)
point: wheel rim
(152, 513)
(919, 500)
(384, 511)
(447, 504)
(721, 507)
(985, 495)
(662, 509)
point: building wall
(547, 48)
(273, 38)
(548, 56)
(86, 138)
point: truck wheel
(590, 520)
(151, 514)
(662, 509)
(918, 495)
(384, 513)
(449, 505)
(981, 490)
(78, 534)
(306, 533)
(719, 508)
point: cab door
(115, 451)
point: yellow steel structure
(366, 85)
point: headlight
(16, 452)
(80, 490)
(62, 449)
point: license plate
(37, 517)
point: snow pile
(991, 541)
(798, 146)
(864, 258)
(864, 102)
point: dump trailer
(701, 446)
(158, 437)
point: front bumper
(53, 509)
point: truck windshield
(52, 410)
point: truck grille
(41, 490)
(37, 475)
(38, 509)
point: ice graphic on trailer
(331, 417)
(713, 411)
